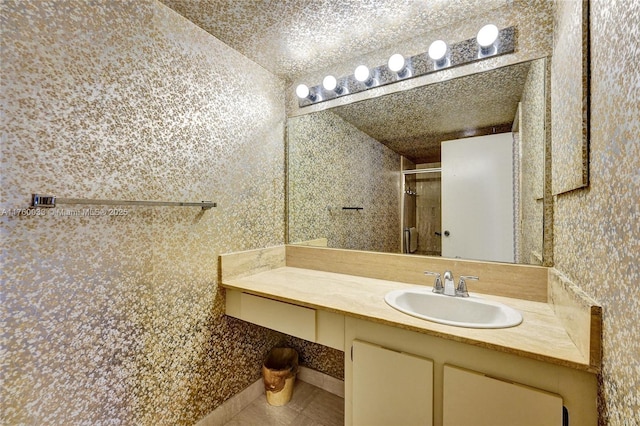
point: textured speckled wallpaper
(119, 319)
(334, 165)
(597, 230)
(532, 165)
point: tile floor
(309, 406)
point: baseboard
(236, 403)
(322, 381)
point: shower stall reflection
(421, 211)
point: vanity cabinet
(470, 385)
(402, 365)
(390, 387)
(398, 376)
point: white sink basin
(470, 312)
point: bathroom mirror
(570, 79)
(345, 179)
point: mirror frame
(546, 198)
(570, 142)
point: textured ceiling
(414, 122)
(291, 38)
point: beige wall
(597, 230)
(119, 320)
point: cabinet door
(474, 399)
(391, 388)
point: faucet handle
(461, 291)
(437, 285)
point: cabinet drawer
(294, 320)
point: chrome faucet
(437, 285)
(449, 285)
(449, 288)
(461, 290)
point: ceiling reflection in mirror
(344, 164)
(414, 122)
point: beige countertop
(541, 335)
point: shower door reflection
(421, 216)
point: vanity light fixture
(487, 38)
(398, 64)
(438, 52)
(363, 75)
(303, 92)
(490, 41)
(331, 84)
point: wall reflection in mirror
(367, 154)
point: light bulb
(396, 62)
(437, 50)
(362, 73)
(487, 35)
(302, 91)
(329, 82)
